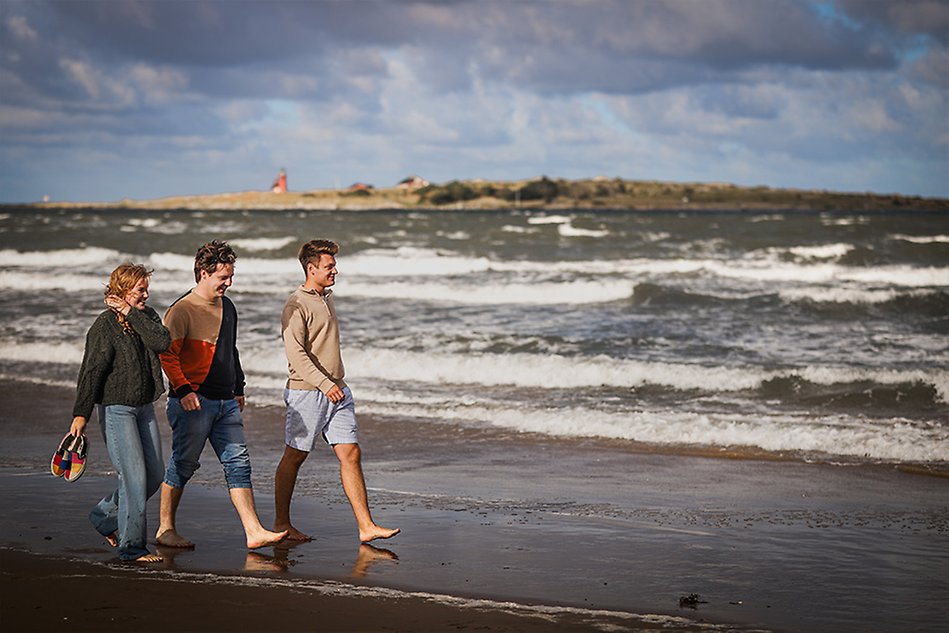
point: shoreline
(543, 194)
(36, 590)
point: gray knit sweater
(119, 367)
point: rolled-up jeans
(134, 444)
(218, 422)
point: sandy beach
(498, 535)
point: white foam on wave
(568, 230)
(539, 371)
(171, 261)
(411, 261)
(899, 275)
(31, 282)
(921, 239)
(73, 257)
(824, 251)
(830, 435)
(245, 266)
(551, 293)
(510, 228)
(548, 219)
(154, 225)
(553, 371)
(262, 243)
(27, 280)
(57, 353)
(834, 294)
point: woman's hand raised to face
(118, 303)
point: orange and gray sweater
(203, 355)
(311, 341)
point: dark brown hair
(211, 255)
(314, 248)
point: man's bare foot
(149, 558)
(171, 538)
(264, 538)
(113, 539)
(376, 532)
(293, 534)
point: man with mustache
(319, 404)
(207, 396)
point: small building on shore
(412, 182)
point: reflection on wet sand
(367, 556)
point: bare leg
(354, 484)
(167, 535)
(285, 481)
(257, 535)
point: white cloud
(19, 28)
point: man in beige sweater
(319, 404)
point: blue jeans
(217, 421)
(132, 438)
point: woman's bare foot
(149, 558)
(376, 532)
(113, 539)
(171, 538)
(264, 538)
(293, 534)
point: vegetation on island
(543, 194)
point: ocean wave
(835, 435)
(30, 282)
(921, 239)
(58, 353)
(74, 256)
(540, 293)
(548, 219)
(154, 225)
(263, 243)
(823, 251)
(562, 372)
(568, 230)
(833, 294)
(247, 267)
(553, 371)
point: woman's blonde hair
(124, 278)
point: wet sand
(43, 593)
(501, 532)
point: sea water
(810, 336)
(532, 385)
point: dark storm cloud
(565, 47)
(902, 17)
(472, 87)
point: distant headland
(543, 193)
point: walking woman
(121, 375)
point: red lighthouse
(280, 184)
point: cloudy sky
(101, 100)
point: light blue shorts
(310, 415)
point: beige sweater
(311, 340)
